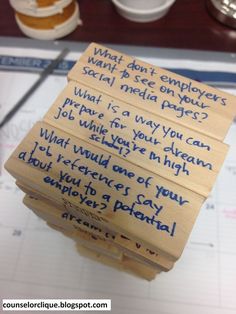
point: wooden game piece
(156, 90)
(127, 265)
(47, 210)
(82, 220)
(82, 237)
(157, 227)
(124, 159)
(167, 149)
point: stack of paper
(124, 159)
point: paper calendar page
(38, 262)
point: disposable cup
(143, 11)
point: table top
(187, 25)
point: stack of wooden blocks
(124, 159)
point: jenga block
(47, 210)
(84, 219)
(79, 235)
(125, 158)
(53, 226)
(160, 222)
(96, 244)
(167, 149)
(155, 90)
(127, 265)
(101, 246)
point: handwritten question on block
(155, 90)
(139, 204)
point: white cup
(143, 10)
(142, 4)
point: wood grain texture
(127, 264)
(112, 157)
(79, 235)
(64, 220)
(140, 84)
(137, 142)
(120, 213)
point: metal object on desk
(223, 10)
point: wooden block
(49, 213)
(82, 220)
(99, 246)
(79, 235)
(53, 226)
(72, 170)
(158, 91)
(129, 151)
(133, 267)
(102, 247)
(139, 267)
(165, 148)
(46, 209)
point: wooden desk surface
(187, 25)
